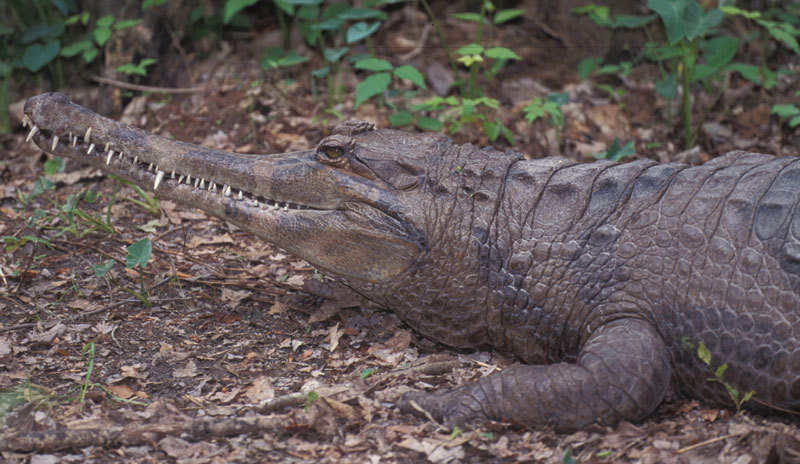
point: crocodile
(601, 279)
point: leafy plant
(40, 36)
(87, 353)
(696, 53)
(137, 258)
(312, 396)
(705, 355)
(456, 112)
(617, 151)
(136, 69)
(549, 107)
(787, 113)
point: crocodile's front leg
(622, 373)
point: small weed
(312, 396)
(88, 354)
(550, 107)
(138, 256)
(705, 355)
(617, 151)
(456, 432)
(697, 53)
(787, 113)
(368, 372)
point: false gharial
(601, 278)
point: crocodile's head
(352, 207)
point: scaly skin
(600, 278)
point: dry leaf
(334, 336)
(122, 391)
(260, 390)
(234, 296)
(189, 370)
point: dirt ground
(219, 368)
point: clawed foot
(450, 407)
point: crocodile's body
(601, 278)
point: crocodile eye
(333, 152)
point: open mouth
(82, 147)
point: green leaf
(599, 14)
(721, 51)
(471, 17)
(43, 31)
(361, 30)
(150, 226)
(747, 396)
(321, 72)
(90, 54)
(755, 74)
(234, 6)
(285, 7)
(332, 55)
(732, 10)
(507, 15)
(105, 21)
(372, 85)
(373, 64)
(794, 122)
(139, 254)
(367, 372)
(363, 13)
(126, 23)
(470, 49)
(781, 34)
(534, 110)
(101, 35)
(632, 22)
(668, 87)
(37, 55)
(429, 124)
(410, 73)
(90, 196)
(671, 13)
(587, 65)
(330, 24)
(785, 111)
(401, 118)
(101, 269)
(78, 47)
(721, 370)
(492, 130)
(502, 53)
(53, 166)
(703, 353)
(698, 23)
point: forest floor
(231, 334)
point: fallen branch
(140, 434)
(148, 88)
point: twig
(148, 88)
(139, 434)
(707, 442)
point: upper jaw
(169, 167)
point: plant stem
(447, 51)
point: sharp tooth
(107, 144)
(91, 148)
(226, 190)
(196, 183)
(150, 168)
(87, 134)
(73, 139)
(188, 179)
(33, 132)
(212, 187)
(286, 208)
(255, 201)
(136, 159)
(276, 207)
(202, 183)
(172, 175)
(110, 155)
(120, 155)
(25, 120)
(180, 179)
(159, 176)
(55, 142)
(240, 195)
